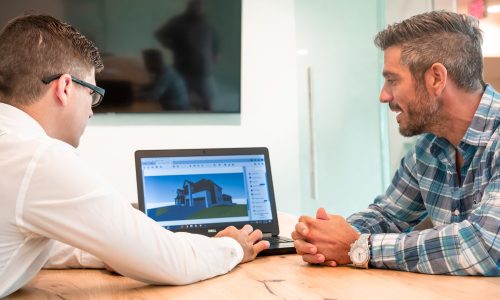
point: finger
(221, 233)
(304, 219)
(297, 236)
(258, 247)
(321, 214)
(255, 236)
(330, 263)
(304, 247)
(313, 258)
(302, 229)
(247, 229)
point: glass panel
(342, 169)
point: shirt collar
(485, 120)
(15, 121)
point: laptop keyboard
(277, 239)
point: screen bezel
(271, 227)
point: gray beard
(422, 115)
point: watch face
(359, 255)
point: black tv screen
(159, 55)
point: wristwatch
(360, 251)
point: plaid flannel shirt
(465, 238)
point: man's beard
(422, 114)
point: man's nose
(385, 96)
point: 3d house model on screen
(197, 197)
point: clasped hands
(325, 239)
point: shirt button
(456, 212)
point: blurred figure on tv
(168, 87)
(194, 46)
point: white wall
(491, 34)
(268, 117)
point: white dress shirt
(48, 194)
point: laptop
(205, 190)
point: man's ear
(64, 89)
(435, 79)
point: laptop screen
(205, 193)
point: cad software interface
(196, 191)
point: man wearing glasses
(97, 92)
(50, 199)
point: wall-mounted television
(159, 55)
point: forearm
(87, 214)
(456, 249)
(375, 220)
(135, 246)
(389, 213)
(469, 247)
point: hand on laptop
(249, 239)
(325, 239)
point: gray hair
(439, 37)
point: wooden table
(276, 277)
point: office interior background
(309, 92)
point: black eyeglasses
(97, 92)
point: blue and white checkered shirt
(465, 239)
